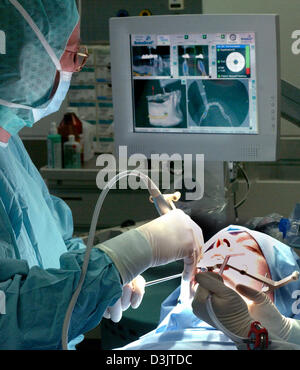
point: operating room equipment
(163, 206)
(164, 203)
(290, 228)
(228, 93)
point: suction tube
(219, 325)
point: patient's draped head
(246, 255)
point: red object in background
(258, 337)
(70, 125)
(248, 71)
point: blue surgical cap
(27, 73)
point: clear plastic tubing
(153, 190)
(218, 324)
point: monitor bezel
(262, 146)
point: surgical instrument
(226, 259)
(158, 281)
(171, 277)
(270, 284)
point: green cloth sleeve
(36, 300)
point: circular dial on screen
(235, 62)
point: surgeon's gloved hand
(172, 237)
(229, 307)
(132, 295)
(262, 309)
(168, 238)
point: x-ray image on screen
(159, 103)
(199, 84)
(218, 103)
(193, 60)
(151, 61)
(194, 83)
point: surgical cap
(27, 73)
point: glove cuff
(293, 332)
(130, 252)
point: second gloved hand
(132, 295)
(229, 307)
(263, 310)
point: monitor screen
(194, 83)
(188, 84)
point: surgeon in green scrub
(40, 261)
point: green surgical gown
(40, 262)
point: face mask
(53, 105)
(56, 100)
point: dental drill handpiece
(162, 205)
(162, 202)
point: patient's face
(250, 259)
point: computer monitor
(197, 84)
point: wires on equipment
(243, 200)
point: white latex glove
(172, 237)
(232, 311)
(263, 310)
(229, 307)
(168, 238)
(132, 296)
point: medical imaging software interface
(194, 83)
